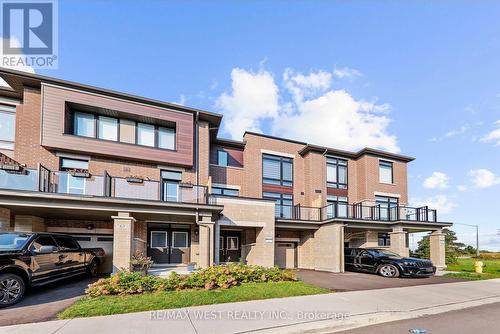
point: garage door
(284, 255)
(103, 241)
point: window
(284, 203)
(67, 164)
(69, 184)
(166, 138)
(170, 185)
(84, 124)
(232, 243)
(66, 243)
(145, 134)
(385, 172)
(7, 127)
(43, 240)
(277, 170)
(338, 203)
(225, 191)
(158, 239)
(179, 239)
(336, 173)
(384, 239)
(222, 158)
(108, 128)
(387, 207)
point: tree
(452, 247)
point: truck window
(67, 243)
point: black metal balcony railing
(43, 180)
(357, 211)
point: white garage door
(103, 241)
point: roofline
(229, 142)
(205, 115)
(273, 137)
(355, 155)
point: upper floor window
(7, 127)
(171, 185)
(222, 158)
(284, 203)
(108, 128)
(336, 173)
(385, 172)
(387, 207)
(123, 130)
(277, 170)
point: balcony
(106, 186)
(357, 211)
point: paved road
(44, 303)
(478, 320)
(353, 281)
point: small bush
(224, 277)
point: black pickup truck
(32, 259)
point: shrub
(224, 277)
(489, 256)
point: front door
(168, 244)
(284, 255)
(230, 248)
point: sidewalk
(286, 315)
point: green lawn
(106, 305)
(466, 269)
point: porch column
(329, 239)
(123, 234)
(206, 235)
(4, 220)
(437, 249)
(24, 223)
(398, 241)
(217, 243)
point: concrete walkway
(320, 313)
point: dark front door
(230, 246)
(168, 244)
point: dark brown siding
(277, 189)
(53, 124)
(337, 192)
(235, 155)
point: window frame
(280, 197)
(75, 127)
(223, 191)
(337, 163)
(385, 163)
(98, 131)
(218, 158)
(174, 233)
(385, 237)
(10, 111)
(281, 182)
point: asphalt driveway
(353, 281)
(44, 303)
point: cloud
(24, 68)
(437, 180)
(441, 203)
(462, 188)
(182, 100)
(455, 132)
(346, 72)
(484, 178)
(253, 98)
(313, 111)
(493, 136)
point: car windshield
(13, 241)
(383, 252)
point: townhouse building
(136, 175)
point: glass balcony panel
(15, 181)
(69, 184)
(147, 190)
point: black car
(32, 259)
(386, 263)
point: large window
(122, 130)
(336, 173)
(277, 170)
(84, 124)
(7, 127)
(284, 203)
(387, 207)
(385, 172)
(69, 184)
(107, 128)
(170, 186)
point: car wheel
(388, 270)
(93, 268)
(12, 289)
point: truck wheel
(12, 289)
(93, 268)
(388, 270)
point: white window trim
(166, 239)
(237, 243)
(378, 193)
(73, 156)
(281, 154)
(180, 232)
